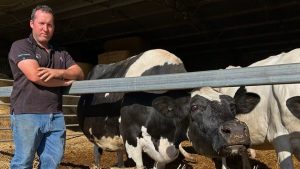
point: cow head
(172, 107)
(213, 129)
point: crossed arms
(50, 77)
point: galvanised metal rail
(263, 75)
(8, 128)
(69, 136)
(275, 74)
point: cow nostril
(226, 130)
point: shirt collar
(33, 41)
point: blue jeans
(43, 134)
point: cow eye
(194, 107)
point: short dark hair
(43, 8)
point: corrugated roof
(206, 34)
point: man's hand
(47, 74)
(43, 76)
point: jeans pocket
(12, 121)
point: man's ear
(31, 23)
(245, 101)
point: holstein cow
(153, 123)
(271, 112)
(99, 113)
(157, 123)
(213, 130)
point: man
(40, 73)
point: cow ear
(293, 105)
(245, 101)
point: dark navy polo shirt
(26, 96)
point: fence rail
(275, 74)
(67, 125)
(69, 136)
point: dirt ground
(79, 155)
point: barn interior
(205, 34)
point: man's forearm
(73, 73)
(49, 77)
(52, 83)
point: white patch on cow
(90, 130)
(106, 95)
(187, 133)
(135, 153)
(284, 155)
(233, 67)
(166, 150)
(251, 153)
(109, 143)
(271, 122)
(208, 93)
(235, 151)
(150, 59)
(224, 164)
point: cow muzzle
(234, 138)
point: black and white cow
(271, 112)
(154, 124)
(99, 113)
(157, 123)
(213, 129)
(151, 122)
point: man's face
(42, 27)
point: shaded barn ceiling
(205, 34)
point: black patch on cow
(293, 105)
(210, 114)
(107, 107)
(108, 114)
(165, 106)
(102, 105)
(175, 109)
(169, 107)
(97, 104)
(165, 69)
(161, 114)
(230, 102)
(245, 101)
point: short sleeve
(20, 50)
(69, 60)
